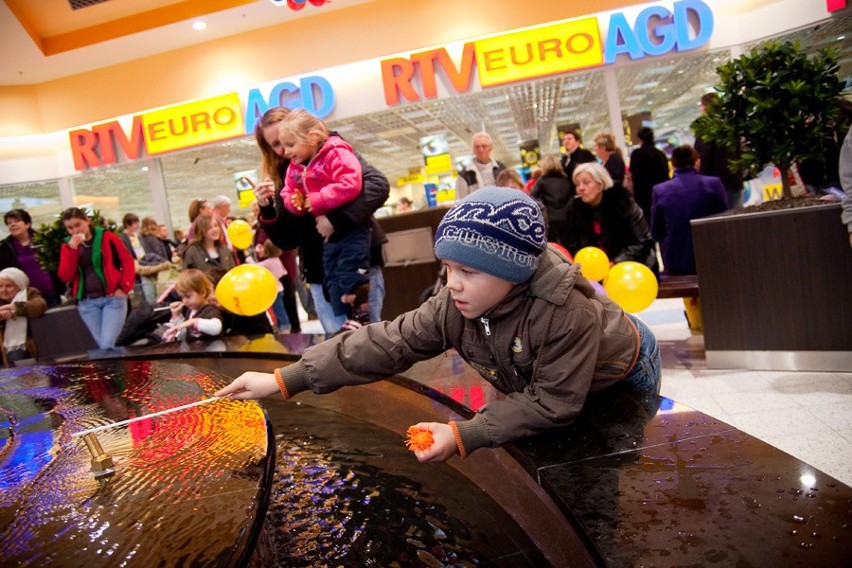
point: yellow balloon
(631, 285)
(239, 233)
(247, 290)
(594, 263)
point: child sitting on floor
(194, 316)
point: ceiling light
(199, 25)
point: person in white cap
(18, 302)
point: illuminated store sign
(193, 124)
(173, 128)
(314, 94)
(539, 52)
(550, 49)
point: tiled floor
(806, 414)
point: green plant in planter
(776, 105)
(49, 238)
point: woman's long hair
(271, 163)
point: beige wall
(360, 32)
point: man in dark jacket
(648, 167)
(689, 195)
(715, 160)
(574, 154)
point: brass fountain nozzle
(102, 464)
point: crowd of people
(515, 309)
(315, 231)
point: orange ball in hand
(419, 440)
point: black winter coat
(624, 231)
(554, 191)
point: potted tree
(776, 105)
(773, 280)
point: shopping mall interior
(67, 65)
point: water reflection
(347, 493)
(186, 485)
(189, 484)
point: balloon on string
(561, 249)
(594, 263)
(240, 234)
(631, 285)
(247, 290)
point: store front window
(40, 199)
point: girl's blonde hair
(304, 127)
(194, 280)
(509, 178)
(550, 164)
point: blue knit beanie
(496, 230)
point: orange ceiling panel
(56, 28)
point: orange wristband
(456, 435)
(280, 380)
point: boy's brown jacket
(546, 346)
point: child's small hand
(176, 308)
(444, 446)
(298, 200)
(170, 334)
(307, 205)
(251, 385)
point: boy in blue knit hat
(515, 310)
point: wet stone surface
(347, 493)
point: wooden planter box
(776, 289)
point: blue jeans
(331, 323)
(377, 293)
(281, 318)
(346, 263)
(104, 317)
(645, 374)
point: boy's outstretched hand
(444, 446)
(250, 385)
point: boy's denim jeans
(646, 373)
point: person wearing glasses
(482, 170)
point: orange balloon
(247, 290)
(594, 263)
(632, 286)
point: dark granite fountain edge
(541, 459)
(496, 472)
